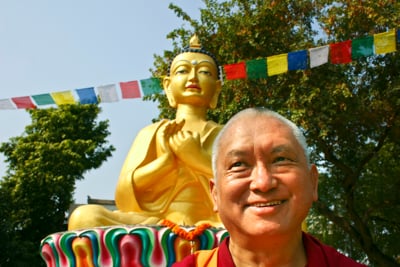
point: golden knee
(87, 216)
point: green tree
(349, 112)
(56, 149)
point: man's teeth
(269, 204)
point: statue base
(131, 245)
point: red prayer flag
(130, 89)
(340, 52)
(23, 102)
(235, 71)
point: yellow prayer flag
(277, 64)
(385, 42)
(64, 97)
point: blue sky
(48, 46)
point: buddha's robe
(181, 196)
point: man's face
(264, 185)
(193, 80)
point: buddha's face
(193, 80)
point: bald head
(242, 117)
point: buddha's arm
(151, 172)
(148, 175)
(141, 155)
(133, 180)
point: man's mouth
(267, 204)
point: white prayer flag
(319, 56)
(6, 104)
(107, 93)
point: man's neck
(267, 252)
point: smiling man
(263, 189)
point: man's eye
(236, 165)
(281, 159)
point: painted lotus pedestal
(140, 245)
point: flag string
(336, 53)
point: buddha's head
(193, 77)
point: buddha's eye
(205, 72)
(181, 71)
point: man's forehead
(250, 127)
(251, 122)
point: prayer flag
(277, 64)
(362, 47)
(297, 60)
(130, 89)
(318, 55)
(221, 74)
(24, 102)
(6, 104)
(151, 86)
(107, 93)
(87, 95)
(235, 71)
(398, 36)
(256, 68)
(385, 42)
(64, 97)
(43, 99)
(340, 52)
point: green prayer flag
(43, 99)
(362, 47)
(256, 68)
(151, 86)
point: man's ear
(167, 90)
(213, 190)
(214, 100)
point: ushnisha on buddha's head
(193, 78)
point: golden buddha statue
(167, 170)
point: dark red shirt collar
(318, 254)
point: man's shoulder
(320, 254)
(218, 256)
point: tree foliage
(349, 112)
(56, 149)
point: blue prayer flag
(297, 60)
(398, 36)
(87, 95)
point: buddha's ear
(214, 100)
(167, 90)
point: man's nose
(262, 179)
